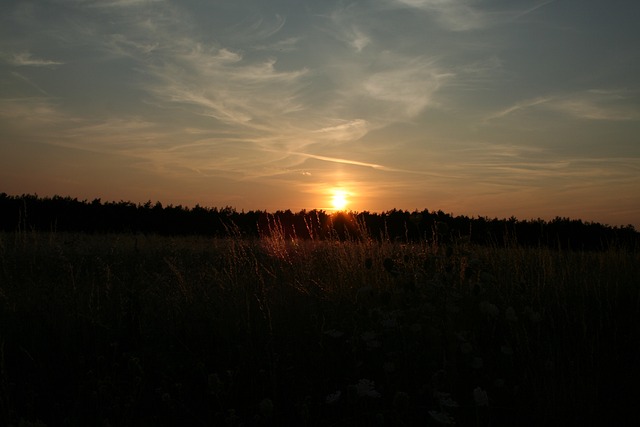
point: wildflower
(364, 294)
(489, 309)
(373, 344)
(452, 308)
(445, 400)
(368, 336)
(390, 266)
(333, 333)
(366, 388)
(510, 315)
(534, 316)
(507, 350)
(389, 323)
(466, 348)
(389, 367)
(441, 417)
(401, 401)
(416, 327)
(266, 408)
(549, 365)
(480, 397)
(486, 277)
(215, 384)
(333, 397)
(368, 263)
(477, 363)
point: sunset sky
(492, 108)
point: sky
(481, 108)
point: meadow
(144, 330)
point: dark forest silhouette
(66, 214)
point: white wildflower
(466, 348)
(333, 397)
(477, 363)
(506, 349)
(480, 397)
(535, 317)
(441, 417)
(489, 309)
(373, 344)
(366, 388)
(333, 333)
(389, 323)
(445, 400)
(368, 336)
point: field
(125, 329)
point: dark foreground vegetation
(147, 330)
(123, 315)
(66, 214)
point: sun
(339, 200)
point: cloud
(25, 59)
(348, 131)
(455, 15)
(32, 113)
(30, 82)
(359, 40)
(521, 105)
(533, 9)
(408, 89)
(339, 160)
(226, 87)
(464, 15)
(349, 34)
(607, 105)
(261, 30)
(286, 45)
(184, 68)
(123, 3)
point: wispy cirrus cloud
(408, 89)
(26, 59)
(467, 15)
(123, 3)
(346, 130)
(225, 87)
(598, 104)
(595, 104)
(456, 15)
(518, 106)
(289, 44)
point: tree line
(65, 214)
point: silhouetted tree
(66, 214)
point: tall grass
(148, 330)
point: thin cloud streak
(522, 105)
(376, 166)
(608, 105)
(26, 59)
(466, 15)
(533, 9)
(30, 83)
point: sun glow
(339, 199)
